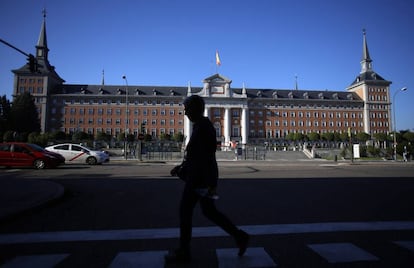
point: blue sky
(261, 43)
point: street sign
(140, 136)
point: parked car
(17, 154)
(76, 153)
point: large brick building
(241, 114)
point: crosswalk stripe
(333, 253)
(35, 261)
(342, 252)
(147, 259)
(254, 257)
(165, 233)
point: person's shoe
(178, 256)
(242, 241)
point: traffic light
(32, 63)
(142, 127)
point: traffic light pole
(30, 57)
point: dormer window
(274, 94)
(335, 96)
(154, 92)
(172, 93)
(350, 97)
(83, 91)
(137, 91)
(290, 95)
(306, 95)
(101, 91)
(259, 94)
(119, 91)
(320, 95)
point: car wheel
(39, 164)
(91, 161)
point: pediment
(217, 78)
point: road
(300, 214)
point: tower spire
(103, 77)
(366, 62)
(41, 47)
(296, 82)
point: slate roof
(171, 91)
(369, 76)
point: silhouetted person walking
(200, 173)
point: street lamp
(126, 116)
(395, 122)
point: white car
(75, 153)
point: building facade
(238, 114)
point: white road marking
(342, 252)
(406, 244)
(147, 259)
(35, 261)
(254, 257)
(165, 233)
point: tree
(329, 137)
(165, 137)
(290, 136)
(298, 136)
(313, 136)
(381, 137)
(363, 137)
(178, 137)
(409, 136)
(102, 136)
(81, 136)
(344, 136)
(39, 139)
(5, 108)
(24, 117)
(58, 136)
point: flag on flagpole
(218, 62)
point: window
(217, 112)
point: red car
(28, 154)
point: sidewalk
(19, 195)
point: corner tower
(374, 91)
(39, 84)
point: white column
(226, 126)
(244, 125)
(187, 129)
(207, 112)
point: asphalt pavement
(20, 195)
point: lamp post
(126, 117)
(395, 122)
